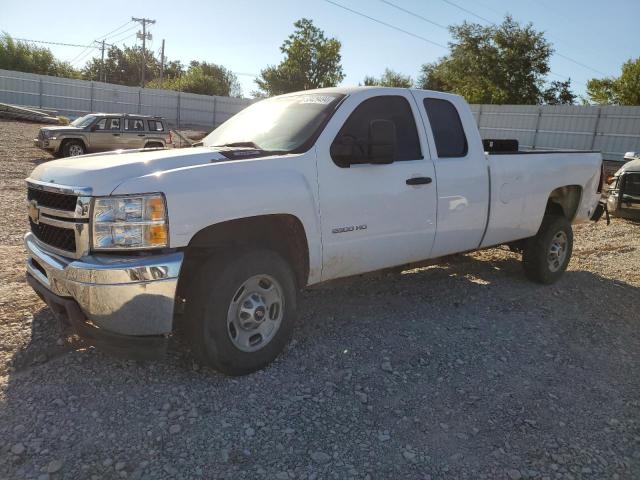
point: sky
(245, 35)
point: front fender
(201, 196)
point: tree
(24, 57)
(499, 64)
(122, 66)
(389, 78)
(559, 93)
(624, 90)
(203, 78)
(311, 61)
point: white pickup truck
(292, 191)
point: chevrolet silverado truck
(290, 192)
(98, 132)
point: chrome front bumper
(123, 295)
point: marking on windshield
(317, 99)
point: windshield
(82, 122)
(278, 124)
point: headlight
(46, 133)
(130, 222)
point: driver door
(375, 216)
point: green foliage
(122, 66)
(311, 61)
(559, 93)
(624, 90)
(389, 78)
(497, 64)
(24, 57)
(203, 78)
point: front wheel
(241, 312)
(545, 257)
(73, 148)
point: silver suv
(98, 132)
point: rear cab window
(448, 133)
(390, 107)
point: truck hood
(59, 128)
(632, 166)
(103, 172)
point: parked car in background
(292, 191)
(98, 132)
(623, 192)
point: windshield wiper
(240, 144)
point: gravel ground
(463, 370)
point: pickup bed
(292, 191)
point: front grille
(58, 201)
(61, 238)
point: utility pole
(102, 73)
(144, 36)
(162, 62)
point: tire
(223, 299)
(546, 256)
(73, 148)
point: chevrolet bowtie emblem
(34, 212)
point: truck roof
(101, 114)
(382, 90)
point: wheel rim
(557, 251)
(255, 313)
(75, 150)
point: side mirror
(93, 128)
(342, 150)
(382, 141)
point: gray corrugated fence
(77, 97)
(611, 129)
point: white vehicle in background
(292, 191)
(623, 189)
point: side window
(446, 127)
(114, 124)
(155, 126)
(102, 124)
(393, 108)
(133, 124)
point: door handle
(418, 180)
(141, 135)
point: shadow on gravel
(460, 370)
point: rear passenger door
(461, 169)
(375, 215)
(134, 133)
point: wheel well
(282, 233)
(564, 201)
(67, 140)
(153, 144)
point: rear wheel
(241, 311)
(73, 148)
(546, 256)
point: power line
(439, 25)
(133, 27)
(54, 43)
(468, 11)
(387, 24)
(566, 57)
(104, 37)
